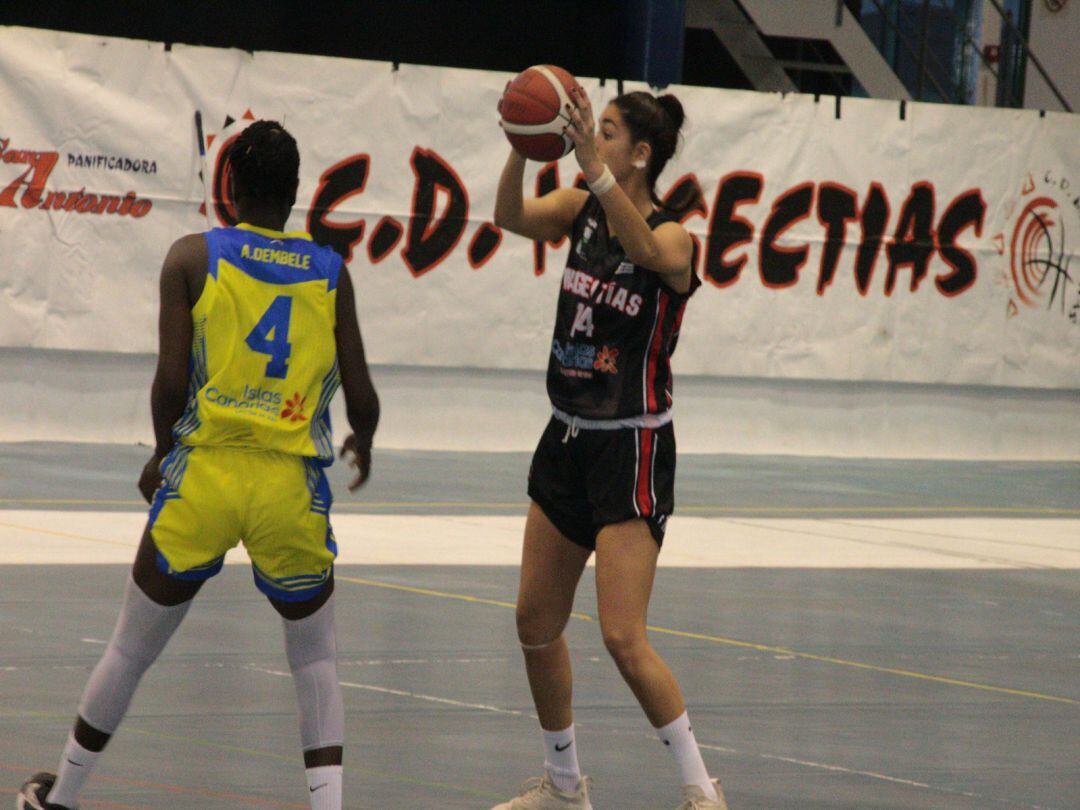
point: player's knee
(312, 638)
(626, 645)
(535, 628)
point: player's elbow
(169, 386)
(645, 255)
(503, 219)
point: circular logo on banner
(1056, 5)
(1043, 219)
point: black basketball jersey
(615, 328)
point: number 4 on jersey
(275, 320)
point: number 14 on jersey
(583, 321)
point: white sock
(75, 765)
(678, 736)
(560, 759)
(324, 787)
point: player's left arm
(168, 394)
(361, 401)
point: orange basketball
(533, 111)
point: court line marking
(873, 774)
(600, 728)
(925, 533)
(292, 760)
(717, 509)
(366, 687)
(657, 629)
(886, 778)
(734, 643)
(444, 594)
(219, 746)
(74, 502)
(667, 631)
(957, 555)
(897, 780)
(611, 731)
(69, 535)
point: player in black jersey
(603, 474)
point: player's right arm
(361, 401)
(168, 394)
(548, 217)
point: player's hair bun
(674, 108)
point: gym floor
(848, 634)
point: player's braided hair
(657, 120)
(265, 163)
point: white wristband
(603, 184)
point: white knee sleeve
(544, 646)
(311, 648)
(141, 633)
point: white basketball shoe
(540, 793)
(694, 798)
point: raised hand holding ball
(533, 112)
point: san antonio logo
(1043, 218)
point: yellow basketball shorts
(277, 505)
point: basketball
(533, 112)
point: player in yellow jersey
(258, 328)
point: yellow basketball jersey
(264, 357)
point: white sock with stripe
(678, 736)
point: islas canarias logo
(262, 402)
(1040, 224)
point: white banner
(859, 239)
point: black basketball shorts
(584, 479)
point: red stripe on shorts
(643, 491)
